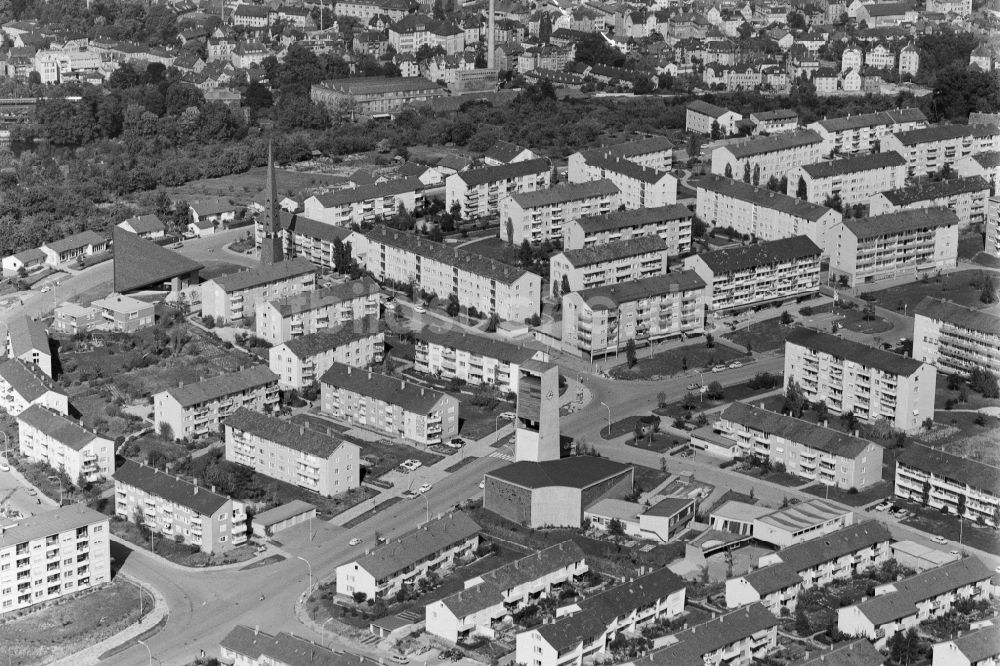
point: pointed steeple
(271, 251)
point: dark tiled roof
(286, 649)
(573, 472)
(651, 287)
(306, 226)
(936, 190)
(412, 547)
(283, 512)
(889, 8)
(504, 151)
(960, 315)
(199, 499)
(76, 241)
(610, 161)
(770, 144)
(60, 428)
(411, 397)
(761, 196)
(854, 351)
(213, 207)
(351, 195)
(808, 434)
(217, 387)
(903, 220)
(693, 643)
(492, 174)
(638, 147)
(48, 523)
(962, 470)
(139, 262)
(30, 382)
(896, 116)
(772, 578)
(979, 645)
(944, 133)
(988, 160)
(668, 506)
(592, 224)
(565, 193)
(476, 344)
(760, 254)
(777, 114)
(332, 295)
(858, 652)
(854, 164)
(296, 437)
(144, 223)
(605, 252)
(707, 109)
(850, 539)
(261, 275)
(27, 335)
(316, 343)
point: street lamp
(138, 587)
(609, 418)
(427, 508)
(309, 589)
(322, 628)
(143, 644)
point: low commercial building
(435, 546)
(124, 313)
(985, 165)
(800, 522)
(851, 180)
(811, 451)
(236, 295)
(774, 122)
(736, 517)
(53, 554)
(54, 439)
(940, 480)
(607, 264)
(954, 338)
(301, 361)
(601, 321)
(332, 307)
(478, 192)
(28, 340)
(194, 410)
(373, 96)
(862, 133)
(661, 521)
(909, 243)
(542, 214)
(701, 116)
(756, 275)
(268, 523)
(292, 453)
(364, 204)
(977, 647)
(757, 160)
(928, 150)
(23, 385)
(671, 223)
(78, 246)
(178, 509)
(471, 358)
(851, 377)
(639, 186)
(966, 197)
(761, 213)
(737, 638)
(249, 646)
(389, 405)
(900, 605)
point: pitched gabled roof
(854, 164)
(491, 174)
(285, 433)
(693, 643)
(27, 335)
(76, 241)
(60, 428)
(321, 298)
(808, 434)
(199, 499)
(29, 382)
(962, 470)
(988, 160)
(139, 262)
(49, 523)
(888, 118)
(812, 552)
(412, 547)
(903, 220)
(928, 191)
(352, 195)
(602, 298)
(261, 275)
(761, 196)
(574, 472)
(979, 645)
(565, 193)
(286, 649)
(606, 252)
(592, 224)
(144, 223)
(410, 397)
(707, 109)
(214, 207)
(223, 385)
(504, 151)
(943, 133)
(608, 160)
(740, 258)
(853, 351)
(959, 315)
(306, 226)
(311, 344)
(774, 143)
(476, 344)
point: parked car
(694, 386)
(409, 494)
(425, 487)
(411, 464)
(482, 484)
(46, 289)
(939, 539)
(380, 540)
(355, 541)
(456, 443)
(419, 309)
(735, 364)
(718, 368)
(508, 415)
(882, 506)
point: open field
(762, 336)
(956, 287)
(959, 433)
(243, 187)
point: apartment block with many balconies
(851, 377)
(332, 307)
(909, 243)
(928, 150)
(954, 338)
(478, 192)
(639, 186)
(301, 361)
(178, 509)
(671, 223)
(472, 358)
(23, 384)
(236, 295)
(757, 160)
(737, 638)
(945, 481)
(760, 274)
(358, 205)
(611, 263)
(53, 439)
(852, 180)
(542, 214)
(967, 197)
(292, 453)
(862, 133)
(198, 409)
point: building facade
(671, 223)
(541, 215)
(928, 150)
(478, 192)
(944, 481)
(757, 160)
(236, 295)
(365, 204)
(851, 180)
(639, 186)
(23, 385)
(332, 307)
(373, 96)
(967, 197)
(301, 361)
(738, 638)
(700, 117)
(124, 313)
(611, 263)
(863, 132)
(954, 338)
(471, 358)
(54, 439)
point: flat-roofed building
(607, 264)
(124, 313)
(661, 521)
(928, 150)
(851, 180)
(388, 405)
(268, 523)
(761, 158)
(474, 359)
(23, 384)
(955, 338)
(374, 96)
(542, 214)
(851, 377)
(236, 295)
(601, 321)
(940, 479)
(671, 223)
(976, 647)
(28, 340)
(737, 638)
(736, 517)
(301, 361)
(292, 453)
(774, 122)
(862, 133)
(249, 646)
(700, 117)
(639, 186)
(332, 307)
(985, 165)
(52, 554)
(478, 192)
(72, 318)
(754, 275)
(366, 203)
(56, 440)
(761, 213)
(966, 197)
(908, 243)
(198, 409)
(801, 522)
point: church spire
(270, 247)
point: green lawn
(677, 360)
(959, 434)
(972, 399)
(969, 245)
(947, 525)
(741, 391)
(762, 335)
(956, 287)
(648, 478)
(873, 493)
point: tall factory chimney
(491, 38)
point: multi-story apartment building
(639, 186)
(389, 405)
(851, 377)
(940, 480)
(236, 295)
(852, 180)
(811, 451)
(781, 576)
(491, 598)
(479, 282)
(600, 321)
(478, 192)
(178, 509)
(373, 96)
(904, 244)
(655, 152)
(774, 122)
(701, 116)
(413, 31)
(978, 647)
(985, 165)
(671, 223)
(586, 629)
(193, 410)
(610, 263)
(928, 150)
(992, 246)
(434, 546)
(332, 307)
(756, 160)
(737, 638)
(292, 453)
(366, 203)
(28, 341)
(761, 213)
(472, 358)
(967, 197)
(954, 338)
(899, 605)
(862, 133)
(54, 439)
(305, 237)
(52, 554)
(301, 361)
(23, 385)
(759, 274)
(540, 215)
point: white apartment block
(389, 405)
(954, 338)
(938, 479)
(853, 179)
(700, 116)
(52, 554)
(236, 295)
(851, 377)
(301, 361)
(862, 133)
(985, 165)
(434, 546)
(610, 263)
(601, 321)
(671, 223)
(904, 244)
(473, 359)
(774, 122)
(58, 441)
(967, 197)
(198, 409)
(296, 315)
(478, 192)
(178, 509)
(759, 274)
(541, 215)
(479, 282)
(992, 246)
(756, 160)
(639, 186)
(655, 152)
(358, 205)
(738, 638)
(977, 647)
(306, 238)
(23, 385)
(292, 453)
(761, 213)
(28, 340)
(930, 149)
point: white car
(482, 484)
(735, 364)
(355, 541)
(718, 368)
(4, 467)
(508, 415)
(939, 539)
(46, 289)
(882, 507)
(419, 309)
(424, 488)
